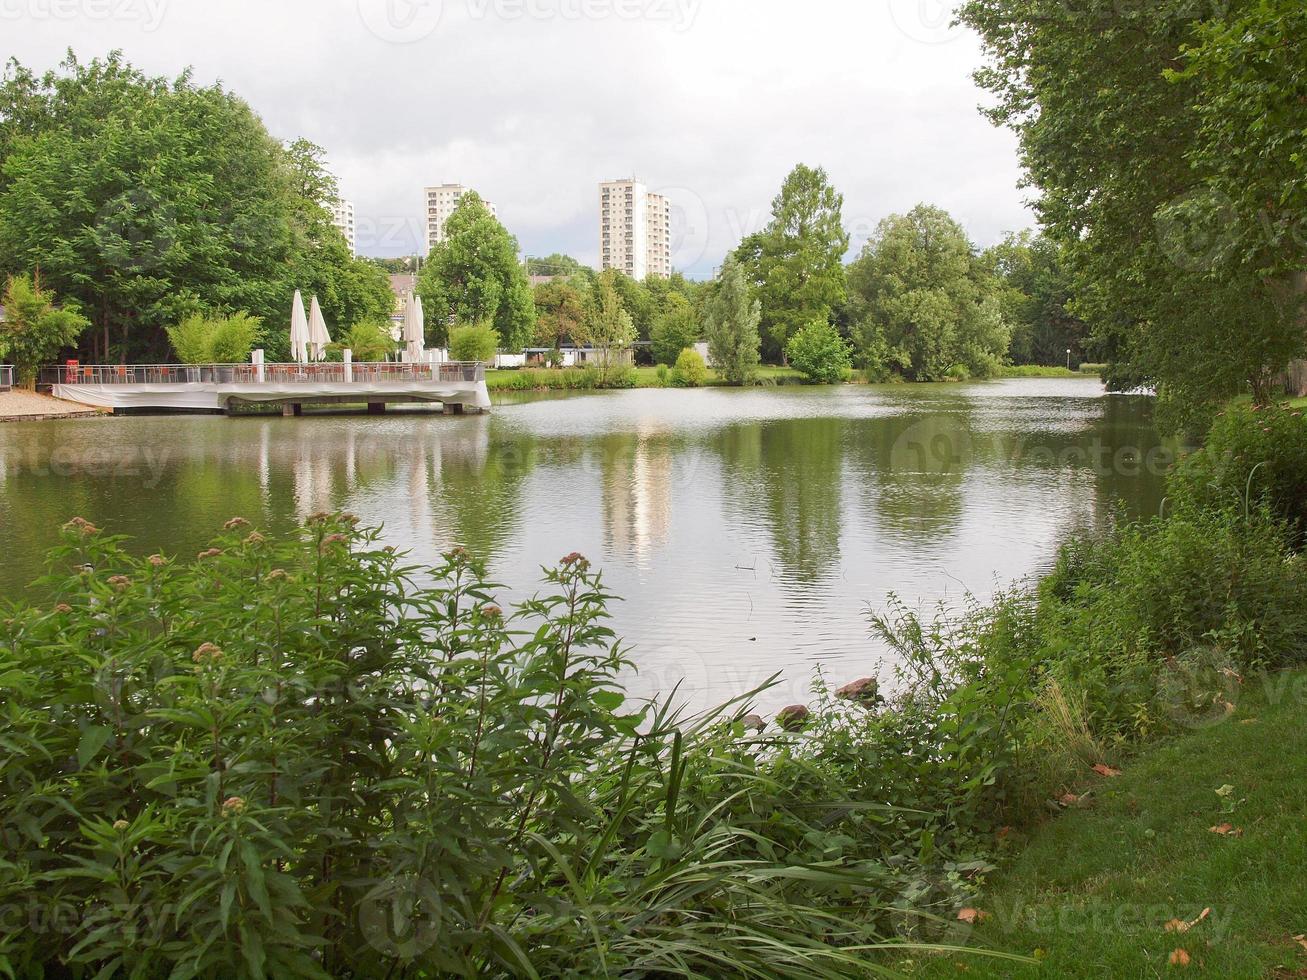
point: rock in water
(865, 691)
(794, 718)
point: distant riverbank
(562, 379)
(25, 406)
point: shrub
(820, 353)
(214, 340)
(1252, 457)
(473, 342)
(285, 757)
(369, 341)
(34, 330)
(690, 370)
(663, 374)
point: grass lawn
(647, 377)
(1037, 371)
(1090, 893)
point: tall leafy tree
(1034, 288)
(1165, 139)
(676, 328)
(923, 307)
(731, 319)
(797, 262)
(607, 326)
(144, 199)
(560, 312)
(474, 276)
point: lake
(748, 531)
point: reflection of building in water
(637, 482)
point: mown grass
(1091, 892)
(647, 377)
(1037, 371)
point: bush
(663, 374)
(214, 340)
(820, 353)
(286, 758)
(690, 370)
(34, 330)
(369, 341)
(1253, 457)
(473, 342)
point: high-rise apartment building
(342, 216)
(634, 229)
(441, 202)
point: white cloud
(533, 102)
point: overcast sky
(534, 102)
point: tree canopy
(149, 200)
(731, 318)
(922, 307)
(474, 276)
(1165, 139)
(796, 263)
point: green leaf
(92, 741)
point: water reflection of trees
(788, 474)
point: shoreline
(20, 405)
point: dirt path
(18, 405)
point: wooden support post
(287, 410)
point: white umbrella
(318, 336)
(299, 331)
(414, 330)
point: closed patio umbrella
(414, 330)
(299, 331)
(318, 336)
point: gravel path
(18, 404)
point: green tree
(33, 330)
(820, 353)
(1164, 138)
(559, 265)
(1033, 287)
(474, 276)
(676, 328)
(560, 313)
(147, 199)
(797, 262)
(607, 327)
(473, 342)
(921, 303)
(731, 318)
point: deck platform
(457, 386)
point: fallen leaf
(1225, 791)
(1301, 940)
(1069, 799)
(972, 916)
(1103, 770)
(1179, 958)
(1003, 832)
(1248, 721)
(1227, 830)
(1177, 925)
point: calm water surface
(748, 531)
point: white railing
(318, 373)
